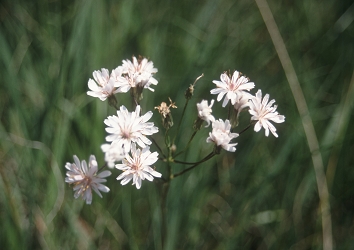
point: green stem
(249, 125)
(188, 144)
(165, 189)
(229, 111)
(158, 147)
(105, 165)
(180, 121)
(166, 137)
(209, 156)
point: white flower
(221, 135)
(103, 86)
(204, 111)
(129, 127)
(232, 88)
(137, 166)
(242, 102)
(113, 153)
(117, 77)
(137, 74)
(86, 178)
(262, 112)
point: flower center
(126, 135)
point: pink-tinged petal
(224, 78)
(226, 100)
(257, 127)
(235, 75)
(97, 191)
(148, 177)
(93, 86)
(103, 188)
(104, 174)
(138, 183)
(126, 180)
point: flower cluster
(234, 89)
(136, 74)
(128, 142)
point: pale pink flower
(127, 127)
(112, 154)
(103, 85)
(204, 111)
(221, 135)
(242, 103)
(232, 88)
(263, 113)
(85, 178)
(137, 166)
(137, 73)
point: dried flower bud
(164, 110)
(189, 92)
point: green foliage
(263, 196)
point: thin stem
(183, 162)
(192, 163)
(166, 136)
(112, 101)
(158, 147)
(180, 120)
(229, 111)
(165, 188)
(246, 128)
(195, 165)
(188, 144)
(185, 106)
(105, 165)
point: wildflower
(233, 88)
(204, 111)
(263, 113)
(165, 112)
(238, 107)
(137, 166)
(103, 85)
(129, 127)
(221, 135)
(113, 153)
(137, 74)
(86, 178)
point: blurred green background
(263, 196)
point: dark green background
(48, 52)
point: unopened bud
(189, 92)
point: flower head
(113, 153)
(204, 111)
(137, 166)
(165, 112)
(85, 178)
(221, 135)
(242, 102)
(127, 127)
(232, 88)
(137, 73)
(103, 86)
(263, 112)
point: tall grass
(263, 196)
